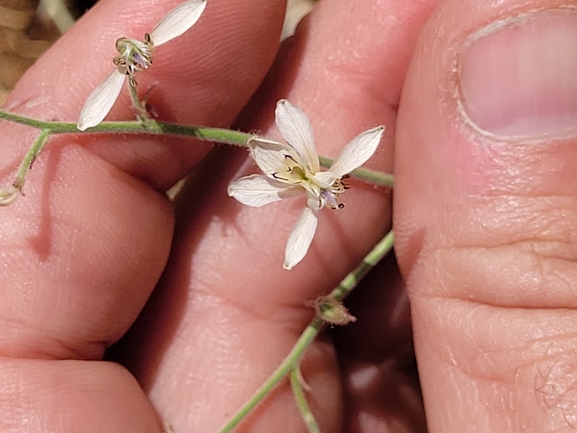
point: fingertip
(484, 208)
(459, 169)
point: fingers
(203, 77)
(71, 396)
(83, 250)
(485, 213)
(227, 313)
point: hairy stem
(154, 127)
(301, 400)
(292, 360)
(30, 157)
(138, 105)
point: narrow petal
(300, 238)
(101, 100)
(257, 190)
(296, 129)
(269, 155)
(326, 178)
(313, 201)
(357, 152)
(177, 21)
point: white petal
(101, 100)
(177, 21)
(357, 152)
(257, 190)
(269, 155)
(300, 238)
(313, 201)
(326, 178)
(296, 129)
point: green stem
(155, 127)
(30, 157)
(139, 106)
(370, 261)
(301, 400)
(8, 195)
(291, 361)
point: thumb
(486, 214)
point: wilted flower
(8, 196)
(293, 169)
(332, 311)
(136, 56)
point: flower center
(134, 55)
(294, 173)
(329, 196)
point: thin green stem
(136, 102)
(30, 157)
(291, 361)
(139, 106)
(8, 195)
(351, 281)
(301, 400)
(155, 127)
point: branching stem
(155, 127)
(292, 360)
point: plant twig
(301, 400)
(291, 361)
(155, 127)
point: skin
(95, 238)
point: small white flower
(293, 169)
(136, 56)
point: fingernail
(518, 77)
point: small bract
(136, 56)
(293, 169)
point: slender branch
(301, 400)
(30, 157)
(138, 105)
(291, 361)
(351, 281)
(7, 196)
(155, 127)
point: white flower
(293, 169)
(136, 56)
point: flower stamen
(135, 56)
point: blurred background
(29, 27)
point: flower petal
(300, 238)
(314, 201)
(101, 100)
(357, 152)
(296, 129)
(270, 156)
(326, 178)
(177, 21)
(257, 190)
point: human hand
(89, 249)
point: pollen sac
(134, 55)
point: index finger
(91, 230)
